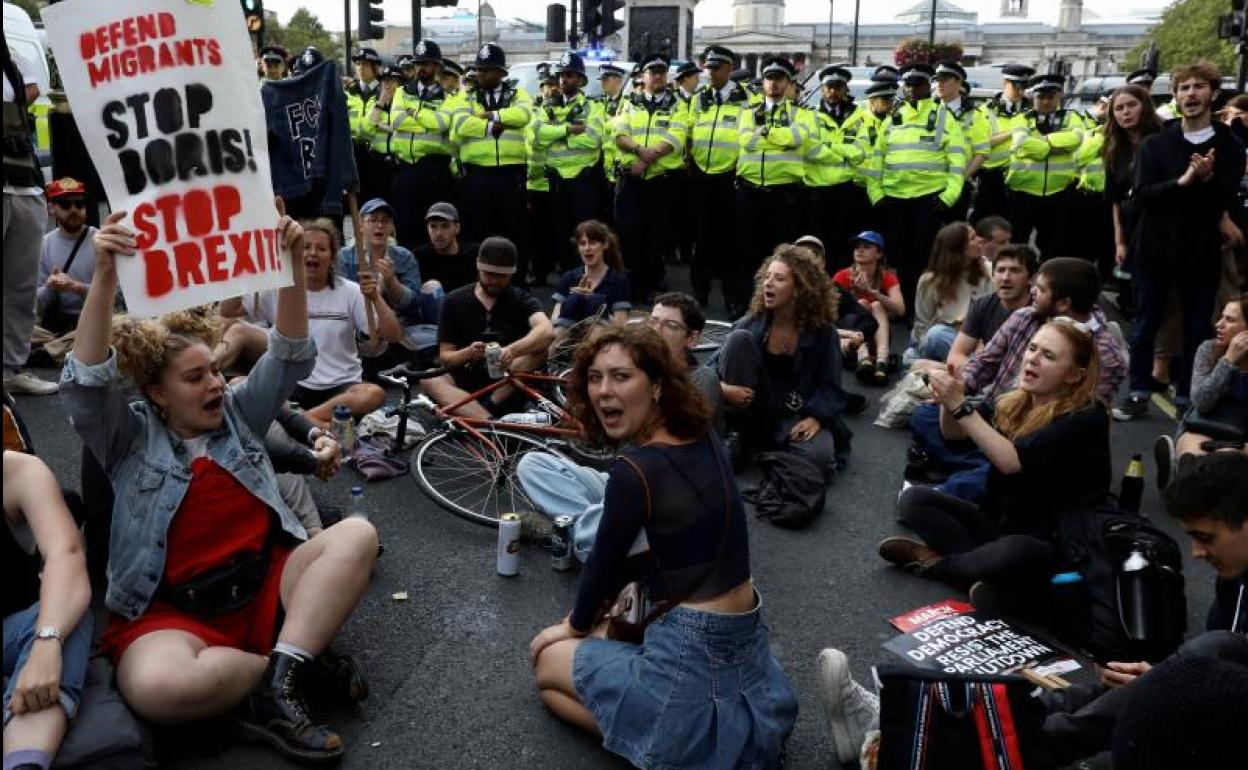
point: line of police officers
(735, 169)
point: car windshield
(525, 75)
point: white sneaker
(849, 709)
(29, 385)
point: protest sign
(164, 93)
(967, 642)
(926, 614)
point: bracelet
(964, 409)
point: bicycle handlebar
(401, 374)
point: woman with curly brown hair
(219, 602)
(670, 499)
(780, 367)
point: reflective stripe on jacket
(920, 151)
(1042, 162)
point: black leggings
(972, 544)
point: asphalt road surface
(451, 684)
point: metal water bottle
(526, 418)
(1134, 597)
(1132, 489)
(343, 429)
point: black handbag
(223, 589)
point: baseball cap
(497, 255)
(869, 236)
(812, 240)
(66, 188)
(376, 204)
(442, 210)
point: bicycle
(467, 465)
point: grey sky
(720, 11)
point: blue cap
(869, 236)
(376, 204)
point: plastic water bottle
(344, 430)
(356, 506)
(526, 418)
(1132, 488)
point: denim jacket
(150, 468)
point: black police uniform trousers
(494, 204)
(414, 188)
(541, 240)
(643, 208)
(576, 200)
(1048, 216)
(989, 198)
(374, 170)
(766, 218)
(713, 199)
(1093, 217)
(838, 212)
(910, 226)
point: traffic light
(598, 19)
(370, 14)
(253, 14)
(1231, 26)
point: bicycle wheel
(713, 336)
(468, 478)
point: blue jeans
(967, 465)
(560, 487)
(937, 342)
(19, 637)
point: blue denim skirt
(702, 691)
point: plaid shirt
(994, 370)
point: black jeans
(910, 227)
(970, 541)
(1197, 285)
(576, 200)
(414, 188)
(838, 213)
(766, 217)
(1046, 215)
(1081, 717)
(712, 198)
(494, 203)
(643, 207)
(989, 194)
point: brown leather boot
(909, 554)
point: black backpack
(791, 493)
(1095, 541)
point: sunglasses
(71, 204)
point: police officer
(865, 125)
(421, 146)
(771, 200)
(361, 93)
(543, 243)
(650, 133)
(685, 78)
(570, 132)
(685, 84)
(838, 204)
(950, 80)
(451, 77)
(1003, 113)
(273, 60)
(716, 112)
(611, 79)
(1090, 211)
(1043, 172)
(921, 156)
(307, 59)
(407, 66)
(488, 125)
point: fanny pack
(222, 589)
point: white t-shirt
(334, 316)
(1199, 137)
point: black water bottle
(1132, 488)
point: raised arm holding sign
(164, 94)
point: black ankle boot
(275, 712)
(336, 678)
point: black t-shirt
(984, 316)
(1063, 463)
(464, 320)
(451, 271)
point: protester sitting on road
(870, 296)
(444, 258)
(67, 258)
(560, 487)
(1210, 498)
(490, 311)
(597, 285)
(206, 569)
(47, 628)
(338, 310)
(1048, 449)
(956, 274)
(780, 367)
(673, 493)
(1065, 286)
(1219, 394)
(416, 303)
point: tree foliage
(916, 50)
(1187, 31)
(303, 29)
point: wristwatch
(48, 632)
(964, 409)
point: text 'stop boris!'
(164, 93)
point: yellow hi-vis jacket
(1002, 118)
(569, 154)
(920, 151)
(716, 121)
(473, 119)
(535, 179)
(1043, 159)
(774, 142)
(420, 122)
(610, 153)
(1090, 162)
(649, 123)
(975, 130)
(359, 103)
(834, 154)
(864, 126)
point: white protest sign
(165, 95)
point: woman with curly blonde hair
(220, 604)
(780, 367)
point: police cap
(365, 54)
(715, 55)
(1052, 81)
(950, 68)
(834, 75)
(274, 53)
(886, 72)
(453, 67)
(427, 50)
(609, 71)
(917, 72)
(686, 68)
(778, 65)
(491, 57)
(571, 62)
(655, 61)
(1017, 73)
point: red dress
(217, 521)
(844, 279)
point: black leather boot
(275, 712)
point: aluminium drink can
(509, 544)
(493, 360)
(561, 544)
